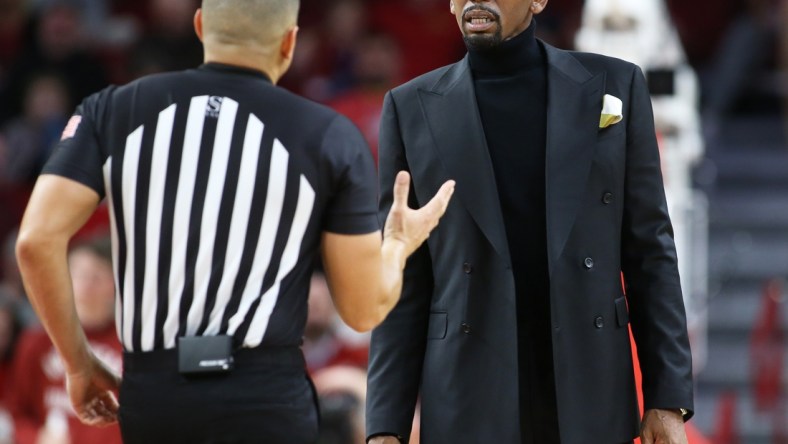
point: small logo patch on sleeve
(71, 127)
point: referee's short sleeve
(79, 155)
(352, 207)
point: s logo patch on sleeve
(71, 127)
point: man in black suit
(513, 322)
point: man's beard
(476, 42)
(484, 42)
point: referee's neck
(249, 59)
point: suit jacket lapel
(574, 103)
(453, 117)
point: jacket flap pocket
(437, 326)
(622, 315)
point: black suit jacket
(453, 335)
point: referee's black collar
(223, 67)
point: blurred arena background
(718, 74)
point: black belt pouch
(200, 355)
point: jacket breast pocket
(622, 314)
(438, 325)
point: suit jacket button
(467, 268)
(465, 328)
(588, 263)
(607, 198)
(599, 322)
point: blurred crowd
(55, 52)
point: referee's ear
(288, 46)
(198, 23)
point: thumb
(401, 190)
(438, 204)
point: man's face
(487, 23)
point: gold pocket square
(612, 108)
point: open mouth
(478, 20)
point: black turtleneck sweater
(511, 91)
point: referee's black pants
(264, 399)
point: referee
(222, 189)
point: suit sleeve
(398, 344)
(650, 266)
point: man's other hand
(91, 393)
(663, 427)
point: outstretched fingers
(413, 226)
(436, 207)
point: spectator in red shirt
(37, 397)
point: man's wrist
(383, 437)
(681, 412)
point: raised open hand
(413, 227)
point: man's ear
(289, 43)
(198, 23)
(538, 6)
(451, 7)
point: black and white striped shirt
(219, 185)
